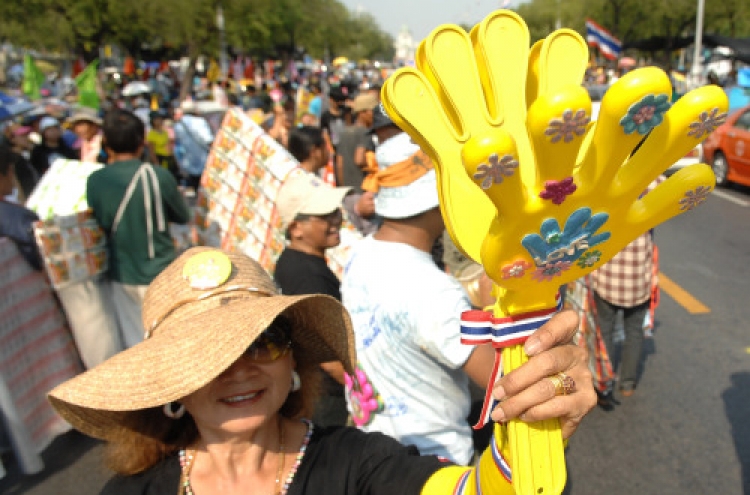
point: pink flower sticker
(551, 270)
(516, 269)
(558, 190)
(364, 400)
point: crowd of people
(255, 380)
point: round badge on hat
(207, 270)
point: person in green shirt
(134, 203)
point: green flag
(88, 95)
(33, 78)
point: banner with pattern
(236, 209)
(74, 248)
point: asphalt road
(685, 431)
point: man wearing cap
(311, 214)
(354, 142)
(406, 312)
(352, 164)
(88, 127)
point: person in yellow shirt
(159, 145)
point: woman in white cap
(213, 400)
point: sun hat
(84, 116)
(380, 119)
(365, 101)
(407, 200)
(201, 314)
(306, 194)
(48, 122)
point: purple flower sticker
(707, 123)
(558, 190)
(569, 126)
(549, 271)
(694, 198)
(497, 169)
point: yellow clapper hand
(534, 190)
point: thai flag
(599, 37)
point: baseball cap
(365, 101)
(306, 194)
(380, 119)
(48, 122)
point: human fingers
(531, 393)
(560, 329)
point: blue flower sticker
(552, 245)
(646, 114)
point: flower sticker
(547, 272)
(497, 169)
(579, 235)
(516, 269)
(646, 114)
(558, 190)
(363, 400)
(568, 127)
(694, 198)
(589, 258)
(707, 123)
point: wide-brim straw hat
(84, 115)
(200, 314)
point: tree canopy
(268, 28)
(282, 28)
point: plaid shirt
(625, 280)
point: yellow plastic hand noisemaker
(534, 190)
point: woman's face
(242, 398)
(53, 133)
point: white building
(405, 47)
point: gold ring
(564, 385)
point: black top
(16, 222)
(41, 154)
(300, 273)
(337, 461)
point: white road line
(732, 198)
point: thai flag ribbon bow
(481, 327)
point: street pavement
(686, 430)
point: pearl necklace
(187, 458)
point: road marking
(683, 297)
(731, 198)
(747, 350)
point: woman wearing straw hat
(212, 400)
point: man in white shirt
(406, 315)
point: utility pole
(223, 62)
(697, 69)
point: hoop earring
(296, 381)
(172, 413)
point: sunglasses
(270, 346)
(333, 217)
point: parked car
(727, 149)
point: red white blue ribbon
(481, 327)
